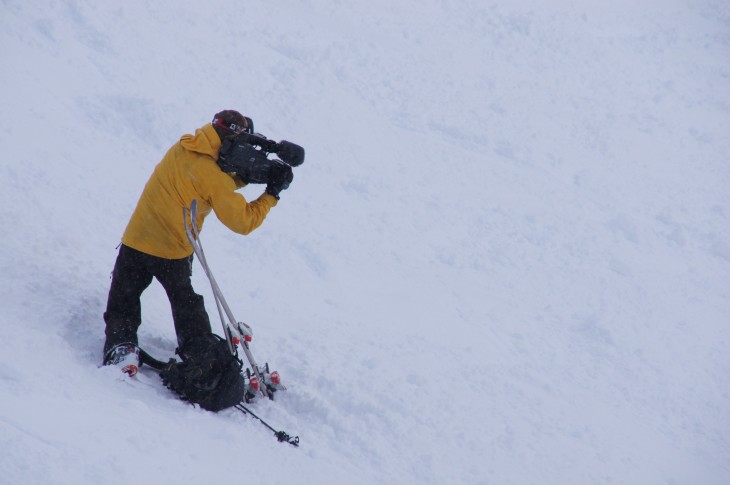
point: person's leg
(188, 308)
(123, 314)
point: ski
(237, 333)
(261, 380)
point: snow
(505, 259)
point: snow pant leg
(188, 308)
(123, 314)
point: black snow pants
(133, 272)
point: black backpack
(210, 376)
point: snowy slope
(505, 260)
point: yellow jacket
(189, 171)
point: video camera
(247, 155)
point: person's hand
(280, 176)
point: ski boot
(125, 357)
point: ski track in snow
(504, 261)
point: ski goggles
(236, 128)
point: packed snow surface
(505, 260)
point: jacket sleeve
(232, 209)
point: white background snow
(506, 259)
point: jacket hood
(205, 141)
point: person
(155, 245)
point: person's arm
(231, 208)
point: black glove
(280, 176)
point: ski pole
(280, 435)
